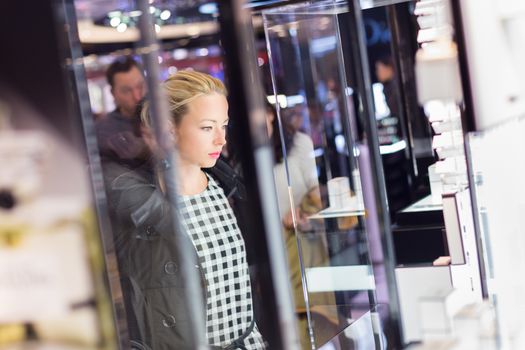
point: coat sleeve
(142, 218)
(139, 202)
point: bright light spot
(160, 59)
(393, 148)
(115, 21)
(135, 13)
(293, 100)
(180, 54)
(152, 9)
(340, 143)
(157, 28)
(172, 70)
(164, 15)
(260, 61)
(280, 98)
(208, 9)
(122, 27)
(114, 14)
(202, 52)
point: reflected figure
(118, 132)
(158, 315)
(385, 73)
(306, 196)
(389, 130)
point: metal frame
(256, 155)
(468, 121)
(76, 77)
(376, 167)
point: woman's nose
(220, 137)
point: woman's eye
(206, 128)
(225, 126)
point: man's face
(128, 90)
(384, 72)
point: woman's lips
(215, 155)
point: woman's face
(201, 133)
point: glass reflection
(317, 172)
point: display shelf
(333, 278)
(424, 204)
(330, 213)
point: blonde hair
(181, 89)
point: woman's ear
(173, 132)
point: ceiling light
(208, 9)
(202, 52)
(114, 13)
(180, 54)
(115, 21)
(122, 27)
(164, 15)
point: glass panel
(315, 132)
(53, 290)
(403, 130)
(192, 270)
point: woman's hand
(288, 218)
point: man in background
(386, 75)
(118, 133)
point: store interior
(375, 141)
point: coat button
(170, 268)
(150, 230)
(169, 321)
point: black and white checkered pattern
(212, 226)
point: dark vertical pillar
(248, 114)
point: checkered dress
(212, 226)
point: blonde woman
(144, 236)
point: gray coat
(153, 287)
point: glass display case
(196, 269)
(323, 175)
